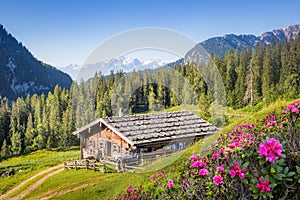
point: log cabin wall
(99, 142)
(118, 145)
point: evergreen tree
(30, 134)
(4, 149)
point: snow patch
(11, 64)
(29, 86)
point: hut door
(108, 148)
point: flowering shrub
(271, 149)
(252, 161)
(131, 193)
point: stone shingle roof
(149, 128)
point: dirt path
(57, 168)
(61, 190)
(59, 193)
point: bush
(252, 161)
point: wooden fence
(121, 164)
(85, 164)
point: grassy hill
(83, 184)
(28, 165)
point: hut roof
(151, 128)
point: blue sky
(61, 32)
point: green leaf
(246, 164)
(264, 170)
(291, 174)
(262, 161)
(269, 195)
(281, 161)
(276, 176)
(256, 196)
(286, 170)
(298, 169)
(273, 185)
(245, 181)
(254, 180)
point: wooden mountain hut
(118, 137)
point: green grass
(97, 185)
(28, 165)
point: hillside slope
(21, 73)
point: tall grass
(28, 165)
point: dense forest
(47, 121)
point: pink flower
(295, 110)
(203, 172)
(221, 151)
(198, 163)
(271, 149)
(170, 184)
(263, 185)
(283, 112)
(194, 157)
(220, 168)
(185, 181)
(130, 189)
(218, 179)
(290, 107)
(236, 171)
(215, 156)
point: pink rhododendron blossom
(198, 163)
(170, 184)
(215, 156)
(194, 157)
(236, 171)
(295, 110)
(203, 172)
(271, 149)
(220, 168)
(290, 107)
(283, 111)
(218, 179)
(221, 151)
(263, 185)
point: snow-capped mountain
(220, 45)
(78, 72)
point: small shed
(115, 137)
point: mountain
(220, 45)
(85, 72)
(22, 74)
(216, 46)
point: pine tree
(151, 98)
(240, 87)
(29, 133)
(4, 149)
(204, 104)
